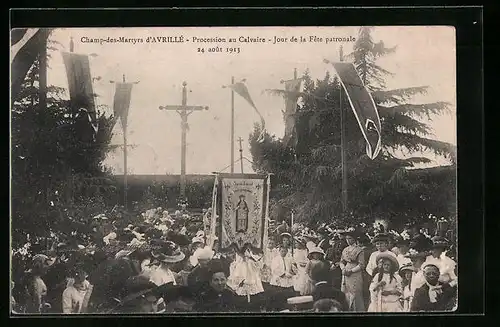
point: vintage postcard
(233, 169)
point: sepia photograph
(166, 170)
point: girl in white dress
(302, 282)
(406, 273)
(385, 289)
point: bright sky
(425, 56)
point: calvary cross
(184, 111)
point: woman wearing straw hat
(381, 242)
(168, 255)
(352, 265)
(386, 288)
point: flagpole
(241, 154)
(232, 127)
(343, 144)
(125, 173)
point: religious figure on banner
(242, 215)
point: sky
(424, 56)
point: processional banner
(243, 208)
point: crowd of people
(159, 267)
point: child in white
(386, 289)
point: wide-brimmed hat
(316, 250)
(322, 231)
(384, 237)
(285, 234)
(405, 267)
(169, 253)
(134, 288)
(391, 257)
(413, 254)
(352, 232)
(421, 242)
(439, 241)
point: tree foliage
(307, 178)
(56, 159)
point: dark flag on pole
(80, 85)
(121, 102)
(362, 105)
(241, 89)
(26, 45)
(292, 88)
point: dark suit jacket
(198, 279)
(211, 301)
(445, 300)
(327, 291)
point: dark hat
(381, 237)
(439, 241)
(414, 254)
(168, 252)
(401, 241)
(322, 231)
(421, 243)
(137, 287)
(352, 232)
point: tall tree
(50, 146)
(311, 183)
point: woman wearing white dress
(282, 269)
(168, 255)
(302, 282)
(386, 289)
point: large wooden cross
(184, 111)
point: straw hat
(406, 267)
(413, 254)
(392, 258)
(169, 253)
(286, 234)
(300, 299)
(316, 250)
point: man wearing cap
(301, 303)
(433, 295)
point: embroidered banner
(243, 201)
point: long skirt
(352, 286)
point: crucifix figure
(184, 111)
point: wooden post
(343, 144)
(125, 168)
(241, 153)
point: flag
(362, 105)
(80, 85)
(242, 90)
(292, 88)
(26, 44)
(242, 207)
(121, 102)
